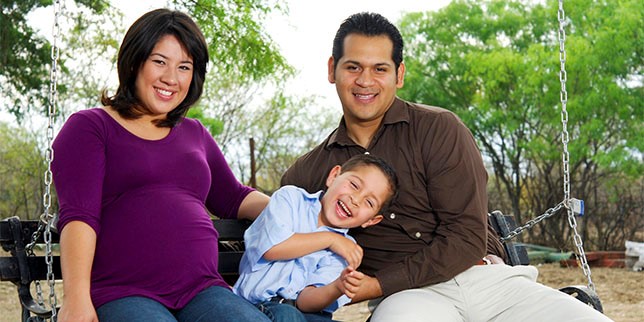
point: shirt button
(418, 235)
(366, 152)
(392, 216)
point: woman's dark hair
(372, 25)
(362, 160)
(137, 45)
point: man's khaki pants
(486, 293)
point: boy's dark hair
(361, 160)
(138, 43)
(368, 24)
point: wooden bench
(503, 225)
(518, 255)
(23, 270)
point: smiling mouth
(364, 96)
(164, 92)
(344, 209)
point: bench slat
(229, 229)
(231, 236)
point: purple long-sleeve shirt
(146, 201)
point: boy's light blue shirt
(291, 210)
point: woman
(135, 181)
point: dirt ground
(621, 293)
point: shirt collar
(396, 113)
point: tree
(242, 93)
(25, 56)
(245, 62)
(22, 170)
(496, 64)
(283, 130)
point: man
(424, 257)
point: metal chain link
(47, 218)
(565, 138)
(549, 213)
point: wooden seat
(23, 270)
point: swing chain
(565, 138)
(53, 106)
(549, 213)
(47, 218)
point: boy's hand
(350, 281)
(349, 250)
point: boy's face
(354, 198)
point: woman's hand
(80, 310)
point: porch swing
(20, 237)
(508, 229)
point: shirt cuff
(393, 279)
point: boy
(300, 263)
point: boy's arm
(300, 244)
(315, 299)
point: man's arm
(455, 182)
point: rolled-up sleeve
(78, 171)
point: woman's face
(164, 78)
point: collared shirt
(291, 210)
(438, 226)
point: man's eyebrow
(353, 62)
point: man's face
(365, 78)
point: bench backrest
(231, 236)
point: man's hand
(494, 259)
(369, 289)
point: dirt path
(621, 292)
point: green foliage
(214, 126)
(496, 63)
(25, 56)
(91, 47)
(22, 168)
(241, 51)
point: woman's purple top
(147, 202)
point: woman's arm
(252, 205)
(77, 246)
